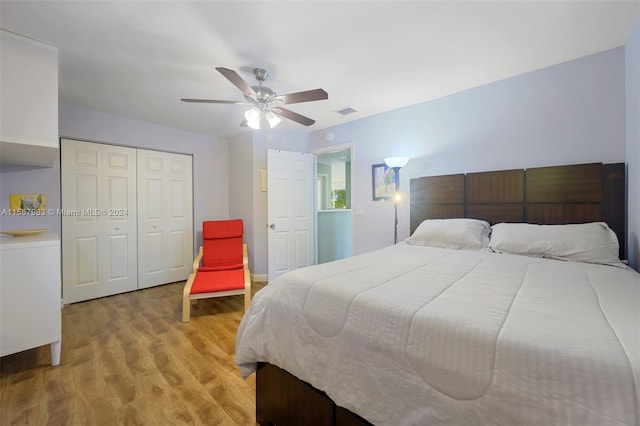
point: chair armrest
(196, 261)
(186, 291)
(245, 256)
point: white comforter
(425, 336)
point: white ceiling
(138, 58)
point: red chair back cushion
(222, 244)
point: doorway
(333, 203)
(290, 212)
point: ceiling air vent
(346, 110)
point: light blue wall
(334, 235)
(241, 186)
(568, 113)
(632, 74)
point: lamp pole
(396, 198)
(395, 232)
(396, 163)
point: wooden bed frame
(545, 195)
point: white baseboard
(259, 278)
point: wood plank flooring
(129, 360)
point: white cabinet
(29, 101)
(30, 309)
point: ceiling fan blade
(213, 101)
(283, 112)
(237, 81)
(306, 96)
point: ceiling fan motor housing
(264, 94)
(261, 74)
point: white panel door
(165, 217)
(290, 184)
(99, 234)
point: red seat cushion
(209, 282)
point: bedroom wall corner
(632, 144)
(241, 184)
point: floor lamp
(396, 163)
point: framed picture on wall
(27, 203)
(384, 181)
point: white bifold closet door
(99, 220)
(165, 217)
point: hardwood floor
(129, 360)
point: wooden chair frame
(188, 298)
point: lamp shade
(272, 119)
(253, 118)
(396, 162)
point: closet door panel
(86, 266)
(177, 258)
(119, 219)
(180, 218)
(81, 232)
(165, 219)
(155, 253)
(118, 259)
(98, 220)
(151, 217)
(85, 193)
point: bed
(423, 333)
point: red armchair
(224, 270)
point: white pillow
(586, 242)
(452, 233)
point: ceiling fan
(266, 104)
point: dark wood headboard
(554, 195)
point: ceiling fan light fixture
(253, 118)
(252, 114)
(254, 124)
(273, 119)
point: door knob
(272, 226)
